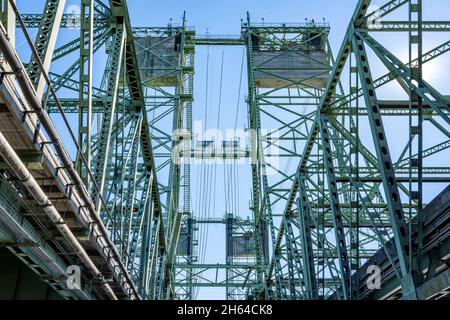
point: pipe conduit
(30, 95)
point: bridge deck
(19, 125)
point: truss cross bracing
(345, 154)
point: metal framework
(335, 185)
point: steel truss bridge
(90, 173)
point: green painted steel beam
(45, 42)
(219, 40)
(101, 158)
(333, 199)
(69, 20)
(390, 187)
(405, 26)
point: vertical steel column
(255, 150)
(416, 133)
(305, 221)
(154, 252)
(229, 251)
(8, 18)
(188, 68)
(177, 124)
(295, 270)
(354, 197)
(182, 101)
(85, 94)
(401, 72)
(147, 212)
(130, 211)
